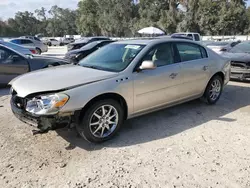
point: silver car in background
(222, 46)
(40, 47)
(119, 81)
(21, 49)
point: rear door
(11, 65)
(195, 68)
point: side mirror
(147, 65)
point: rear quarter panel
(219, 64)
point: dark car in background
(240, 61)
(13, 63)
(84, 41)
(74, 56)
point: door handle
(205, 68)
(173, 75)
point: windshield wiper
(92, 67)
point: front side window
(161, 55)
(113, 57)
(189, 52)
(9, 57)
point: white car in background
(192, 36)
(30, 37)
(54, 42)
(39, 46)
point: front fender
(81, 95)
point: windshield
(241, 48)
(90, 45)
(113, 57)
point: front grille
(237, 64)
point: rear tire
(213, 91)
(101, 121)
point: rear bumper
(44, 123)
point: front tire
(214, 89)
(101, 121)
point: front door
(195, 68)
(154, 88)
(11, 65)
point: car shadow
(168, 122)
(4, 91)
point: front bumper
(240, 73)
(43, 123)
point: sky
(8, 8)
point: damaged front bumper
(240, 73)
(43, 123)
(240, 70)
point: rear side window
(203, 52)
(196, 37)
(16, 41)
(37, 39)
(189, 52)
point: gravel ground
(190, 145)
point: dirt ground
(190, 145)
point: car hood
(57, 78)
(242, 57)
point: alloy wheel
(103, 121)
(215, 89)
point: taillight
(33, 51)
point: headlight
(47, 104)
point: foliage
(125, 17)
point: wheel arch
(114, 96)
(220, 73)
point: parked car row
(55, 42)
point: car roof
(154, 41)
(21, 39)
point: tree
(62, 22)
(87, 17)
(116, 22)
